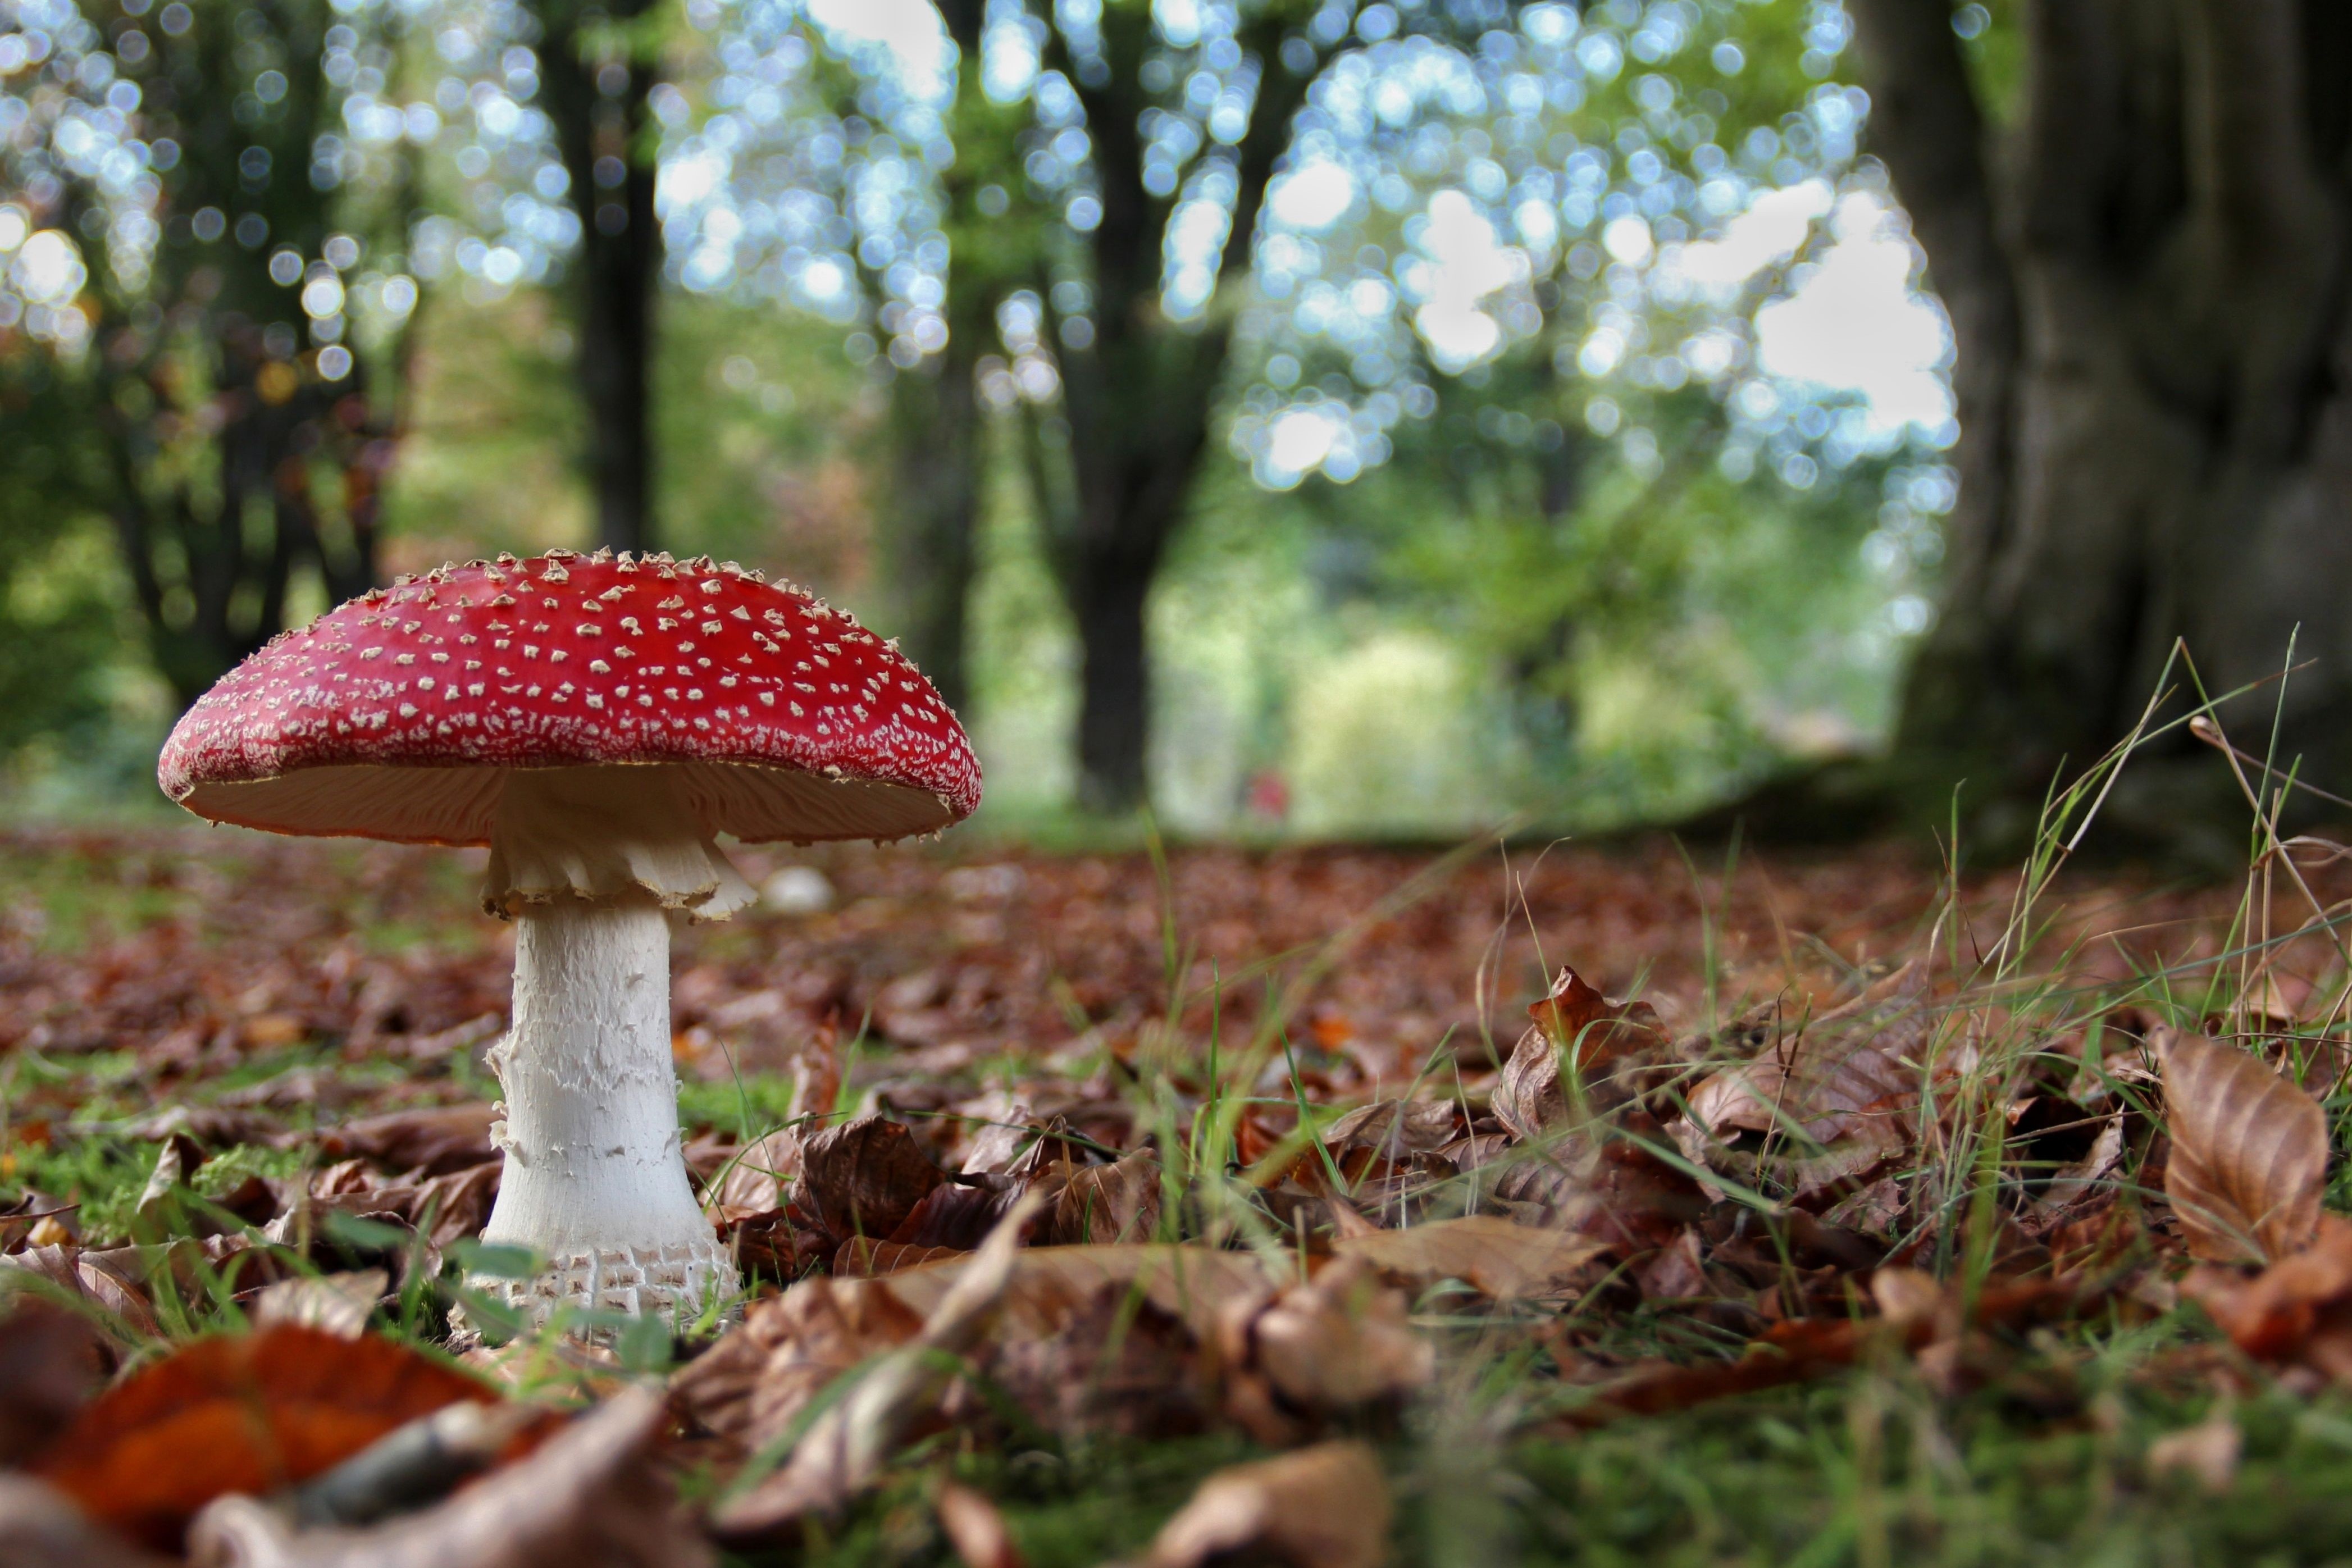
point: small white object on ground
(797, 890)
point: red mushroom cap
(396, 716)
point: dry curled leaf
(858, 1259)
(1392, 1134)
(958, 1214)
(1829, 1104)
(1601, 1043)
(1325, 1506)
(84, 1275)
(2298, 1310)
(752, 1387)
(1117, 1202)
(864, 1177)
(756, 1180)
(442, 1208)
(248, 1413)
(1049, 1284)
(2249, 1153)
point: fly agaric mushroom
(595, 721)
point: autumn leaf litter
(1050, 1152)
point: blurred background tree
(195, 153)
(1318, 417)
(597, 68)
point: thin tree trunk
(597, 96)
(935, 506)
(936, 475)
(211, 575)
(1139, 391)
(1109, 593)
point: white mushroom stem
(595, 1178)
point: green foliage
(1657, 625)
(58, 623)
(1993, 32)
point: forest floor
(1828, 1211)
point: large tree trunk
(596, 82)
(2155, 387)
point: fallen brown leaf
(82, 1275)
(1829, 1104)
(1118, 1202)
(52, 1360)
(846, 1446)
(1601, 1043)
(443, 1209)
(958, 1214)
(753, 1385)
(1388, 1153)
(1325, 1506)
(337, 1304)
(2249, 1153)
(2298, 1310)
(1493, 1256)
(430, 1141)
(1114, 1366)
(588, 1498)
(1340, 1340)
(1195, 1284)
(858, 1259)
(864, 1177)
(176, 1160)
(974, 1528)
(248, 1413)
(757, 1179)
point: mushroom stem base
(642, 1281)
(594, 1180)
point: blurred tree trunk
(2148, 278)
(937, 463)
(933, 489)
(211, 572)
(1138, 390)
(597, 73)
(1542, 675)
